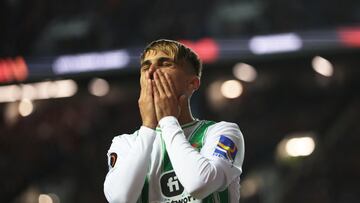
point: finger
(171, 84)
(143, 82)
(149, 89)
(158, 84)
(155, 90)
(144, 89)
(147, 75)
(165, 84)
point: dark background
(61, 147)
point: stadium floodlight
(99, 87)
(270, 44)
(89, 62)
(231, 89)
(39, 90)
(26, 107)
(322, 66)
(45, 198)
(299, 144)
(244, 72)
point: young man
(174, 157)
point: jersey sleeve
(128, 160)
(224, 147)
(201, 173)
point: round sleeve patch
(113, 158)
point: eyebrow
(160, 59)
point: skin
(166, 88)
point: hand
(165, 98)
(146, 102)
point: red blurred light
(350, 36)
(206, 48)
(13, 70)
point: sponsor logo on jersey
(113, 158)
(173, 191)
(225, 148)
(170, 185)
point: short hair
(181, 53)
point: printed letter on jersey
(225, 148)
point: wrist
(149, 125)
(168, 120)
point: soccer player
(174, 157)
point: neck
(185, 114)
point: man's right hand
(146, 102)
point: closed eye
(161, 62)
(145, 66)
(167, 63)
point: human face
(160, 61)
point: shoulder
(223, 131)
(224, 142)
(123, 139)
(223, 127)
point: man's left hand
(165, 98)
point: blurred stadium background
(286, 71)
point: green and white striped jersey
(197, 162)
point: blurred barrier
(210, 50)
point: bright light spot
(249, 187)
(10, 93)
(54, 197)
(44, 198)
(322, 66)
(28, 92)
(275, 43)
(11, 113)
(296, 145)
(65, 88)
(216, 99)
(25, 107)
(214, 90)
(99, 87)
(40, 90)
(45, 90)
(245, 72)
(302, 146)
(231, 89)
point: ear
(194, 84)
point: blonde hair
(180, 52)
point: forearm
(125, 180)
(199, 175)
